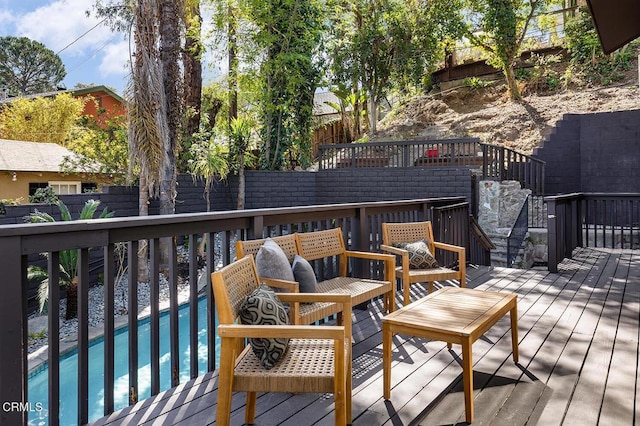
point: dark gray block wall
(610, 152)
(391, 183)
(593, 153)
(266, 189)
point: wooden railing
(439, 152)
(21, 244)
(502, 163)
(480, 245)
(591, 220)
(453, 224)
(497, 162)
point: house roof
(21, 156)
(320, 106)
(617, 23)
(75, 92)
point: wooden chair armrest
(395, 250)
(344, 299)
(369, 255)
(290, 286)
(449, 247)
(295, 299)
(333, 332)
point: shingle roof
(75, 92)
(320, 106)
(20, 156)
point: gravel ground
(38, 322)
(96, 308)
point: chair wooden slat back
(286, 242)
(393, 233)
(232, 285)
(320, 244)
(408, 232)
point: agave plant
(68, 258)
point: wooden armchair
(394, 233)
(317, 358)
(321, 244)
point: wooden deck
(578, 364)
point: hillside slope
(486, 114)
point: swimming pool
(38, 380)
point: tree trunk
(171, 77)
(72, 299)
(241, 184)
(233, 65)
(512, 84)
(373, 113)
(143, 210)
(193, 70)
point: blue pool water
(38, 380)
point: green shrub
(523, 74)
(476, 83)
(44, 196)
(588, 62)
(552, 83)
(8, 202)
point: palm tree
(68, 258)
(155, 109)
(240, 138)
(208, 161)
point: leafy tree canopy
(103, 148)
(289, 34)
(28, 67)
(41, 119)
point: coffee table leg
(386, 359)
(514, 331)
(467, 378)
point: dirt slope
(485, 113)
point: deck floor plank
(574, 342)
(539, 323)
(579, 346)
(585, 403)
(617, 406)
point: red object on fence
(431, 153)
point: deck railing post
(321, 152)
(256, 228)
(405, 155)
(552, 237)
(13, 364)
(211, 328)
(53, 337)
(359, 239)
(576, 226)
(501, 160)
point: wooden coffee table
(453, 315)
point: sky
(91, 53)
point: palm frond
(64, 211)
(148, 129)
(39, 217)
(89, 209)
